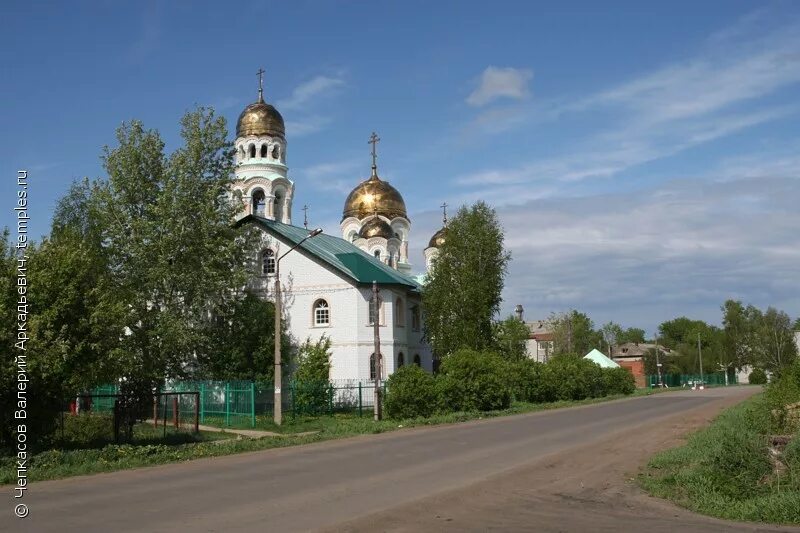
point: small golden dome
(438, 238)
(376, 227)
(260, 118)
(374, 196)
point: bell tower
(261, 173)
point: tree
(463, 292)
(311, 385)
(174, 257)
(775, 346)
(632, 335)
(612, 335)
(511, 336)
(574, 333)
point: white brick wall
(304, 280)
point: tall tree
(511, 336)
(463, 292)
(174, 257)
(574, 333)
(775, 346)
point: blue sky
(644, 159)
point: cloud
(306, 125)
(499, 82)
(339, 176)
(304, 94)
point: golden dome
(438, 238)
(260, 118)
(374, 196)
(376, 227)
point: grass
(725, 471)
(86, 450)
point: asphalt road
(337, 483)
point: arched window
(278, 211)
(377, 254)
(372, 370)
(259, 203)
(415, 317)
(401, 360)
(263, 150)
(399, 313)
(267, 261)
(252, 150)
(371, 307)
(276, 152)
(322, 313)
(417, 360)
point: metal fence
(687, 380)
(240, 403)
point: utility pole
(658, 365)
(377, 350)
(700, 355)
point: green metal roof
(600, 358)
(337, 253)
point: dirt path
(583, 488)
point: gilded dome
(376, 227)
(260, 118)
(438, 238)
(374, 196)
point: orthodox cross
(260, 75)
(305, 216)
(444, 212)
(374, 140)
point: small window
(415, 318)
(268, 261)
(372, 370)
(401, 360)
(322, 313)
(252, 150)
(400, 313)
(417, 360)
(276, 153)
(377, 254)
(263, 150)
(259, 203)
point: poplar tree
(462, 294)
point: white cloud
(306, 92)
(499, 82)
(306, 125)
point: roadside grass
(94, 455)
(725, 470)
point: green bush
(782, 393)
(527, 381)
(410, 393)
(757, 377)
(311, 389)
(474, 381)
(618, 381)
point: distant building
(630, 355)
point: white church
(326, 283)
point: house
(630, 355)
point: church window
(401, 360)
(263, 150)
(276, 152)
(252, 150)
(278, 208)
(259, 202)
(400, 313)
(415, 318)
(372, 370)
(268, 261)
(417, 360)
(377, 254)
(322, 313)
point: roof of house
(336, 253)
(540, 330)
(635, 349)
(601, 359)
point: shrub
(410, 393)
(474, 381)
(618, 381)
(311, 386)
(757, 377)
(526, 380)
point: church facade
(326, 282)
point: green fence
(687, 380)
(239, 403)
